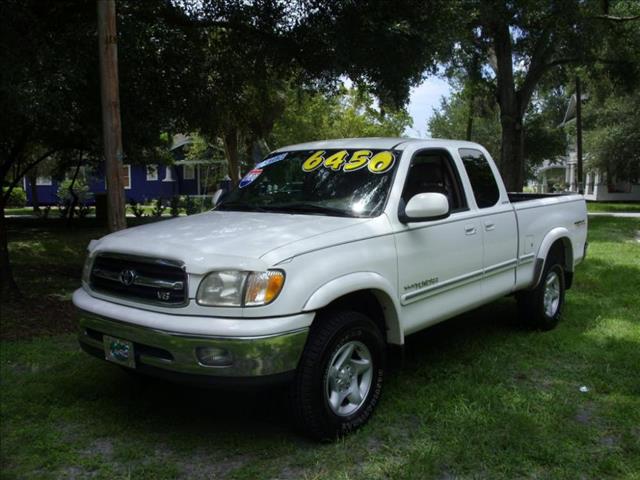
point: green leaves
(342, 114)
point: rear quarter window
(483, 183)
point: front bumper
(158, 351)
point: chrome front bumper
(175, 353)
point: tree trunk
(470, 113)
(230, 139)
(35, 203)
(72, 192)
(512, 156)
(112, 135)
(511, 113)
(7, 282)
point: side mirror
(425, 206)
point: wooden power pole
(111, 129)
(579, 134)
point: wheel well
(375, 305)
(564, 251)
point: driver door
(439, 261)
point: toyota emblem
(127, 277)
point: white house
(561, 173)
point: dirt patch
(291, 473)
(585, 414)
(73, 473)
(374, 444)
(203, 465)
(102, 447)
(36, 317)
(609, 441)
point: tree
(613, 139)
(521, 42)
(254, 51)
(610, 115)
(49, 90)
(43, 77)
(345, 113)
(462, 109)
(543, 138)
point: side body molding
(359, 281)
(558, 233)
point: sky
(422, 100)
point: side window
(433, 171)
(483, 183)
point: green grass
(613, 207)
(19, 211)
(54, 212)
(477, 397)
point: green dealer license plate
(119, 351)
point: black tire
(332, 333)
(531, 304)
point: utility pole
(111, 129)
(579, 133)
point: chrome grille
(151, 280)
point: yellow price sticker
(358, 160)
(335, 161)
(381, 162)
(313, 162)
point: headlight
(86, 269)
(240, 289)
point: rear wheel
(339, 379)
(541, 307)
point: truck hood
(224, 239)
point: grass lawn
(613, 207)
(54, 212)
(477, 397)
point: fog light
(214, 356)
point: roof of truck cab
(377, 143)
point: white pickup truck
(325, 254)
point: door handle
(470, 230)
(488, 226)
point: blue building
(143, 183)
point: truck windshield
(350, 183)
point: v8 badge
(163, 295)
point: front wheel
(339, 379)
(541, 307)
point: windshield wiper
(309, 208)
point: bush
(136, 208)
(65, 199)
(198, 205)
(44, 211)
(175, 206)
(17, 199)
(190, 206)
(80, 188)
(158, 208)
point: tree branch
(585, 60)
(23, 172)
(542, 51)
(493, 60)
(614, 18)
